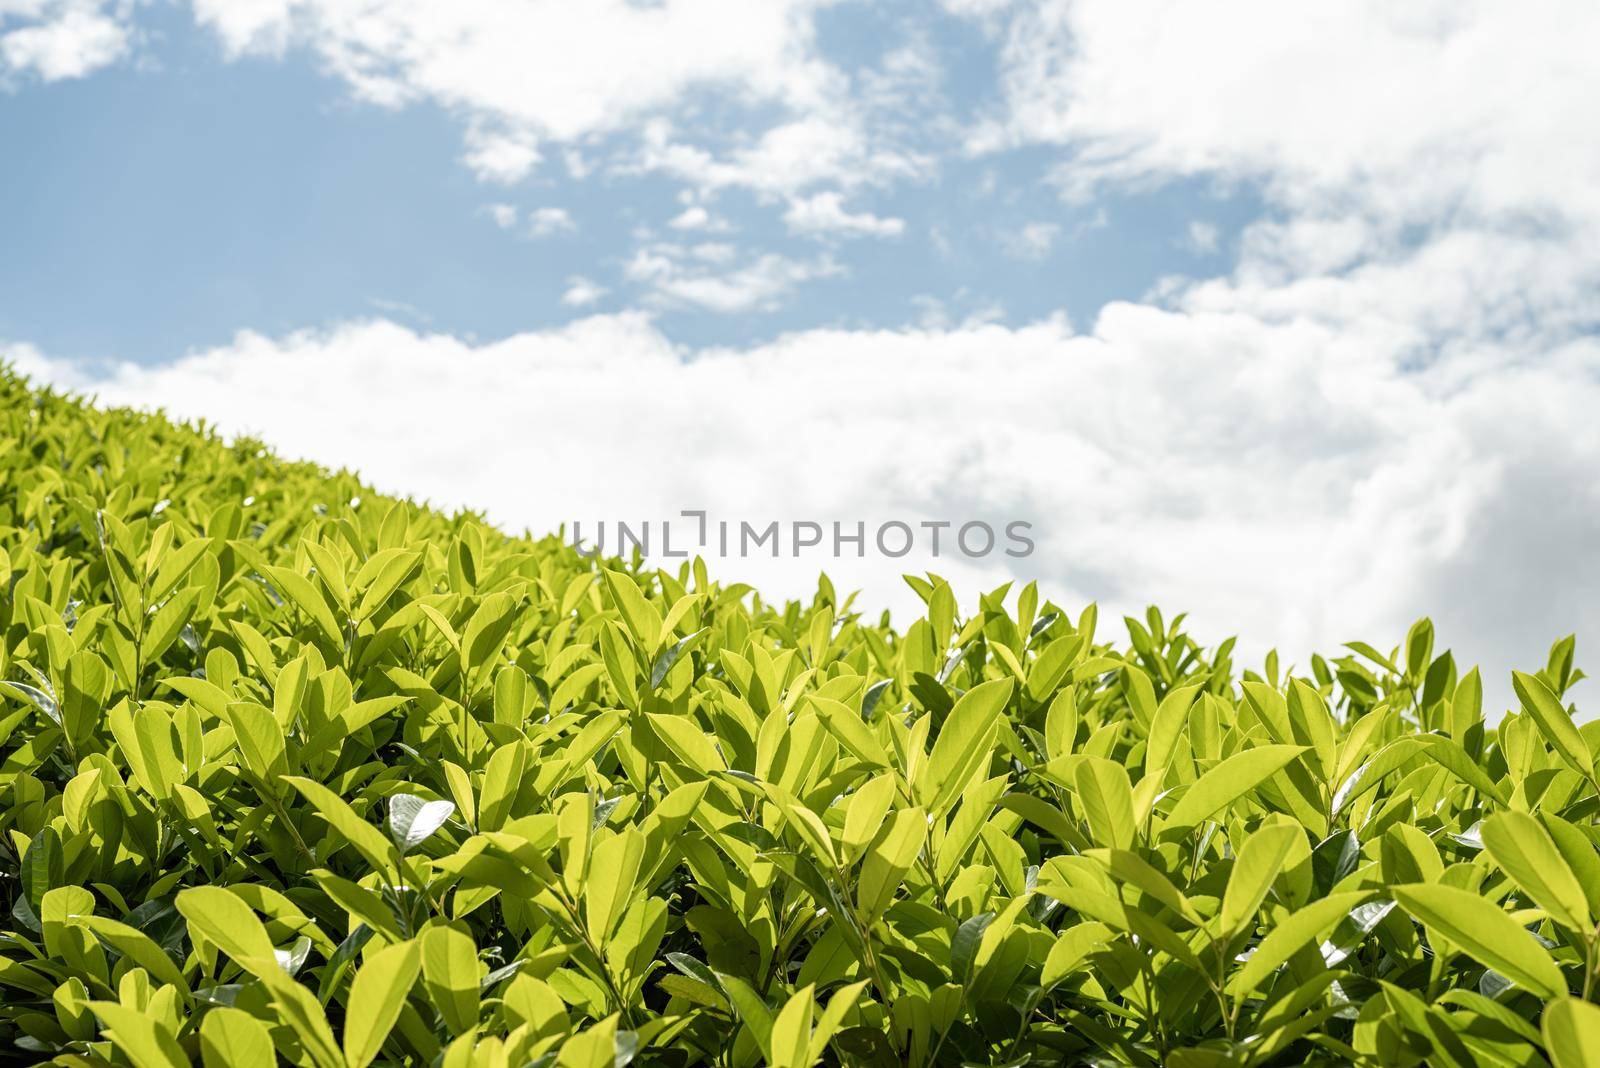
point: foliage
(289, 766)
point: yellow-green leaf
(1480, 929)
(377, 994)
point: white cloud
(824, 213)
(714, 252)
(540, 222)
(500, 156)
(55, 40)
(1422, 111)
(543, 222)
(786, 159)
(1283, 478)
(976, 7)
(1431, 172)
(542, 71)
(1203, 237)
(701, 276)
(1031, 241)
(504, 215)
(582, 292)
(578, 168)
(696, 217)
(259, 26)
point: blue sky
(1279, 313)
(167, 203)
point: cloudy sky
(1284, 314)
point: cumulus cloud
(54, 40)
(976, 7)
(563, 70)
(501, 156)
(535, 71)
(1348, 97)
(504, 215)
(543, 222)
(825, 213)
(582, 292)
(1396, 124)
(696, 217)
(797, 155)
(701, 276)
(712, 94)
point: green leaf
(225, 921)
(1466, 921)
(137, 947)
(1454, 759)
(377, 994)
(298, 1007)
(36, 697)
(451, 972)
(1230, 780)
(367, 839)
(1313, 921)
(145, 1042)
(41, 867)
(1571, 1030)
(382, 575)
(964, 946)
(260, 740)
(599, 1046)
(307, 598)
(1577, 849)
(486, 633)
(638, 614)
(1259, 861)
(791, 1031)
(613, 877)
(840, 1005)
(852, 733)
(1522, 847)
(669, 657)
(231, 1038)
(1069, 950)
(1051, 667)
(888, 859)
(1106, 798)
(964, 745)
(1166, 729)
(806, 823)
(1554, 722)
(753, 1012)
(687, 742)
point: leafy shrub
(289, 768)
